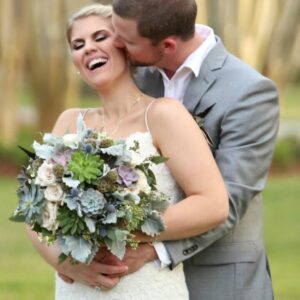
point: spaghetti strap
(146, 115)
(85, 112)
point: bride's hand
(95, 274)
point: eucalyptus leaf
(91, 224)
(158, 159)
(111, 218)
(43, 151)
(117, 248)
(115, 150)
(77, 247)
(72, 183)
(153, 224)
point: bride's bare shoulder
(67, 121)
(165, 108)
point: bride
(190, 176)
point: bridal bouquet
(84, 191)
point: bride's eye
(77, 45)
(100, 37)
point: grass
(282, 228)
(24, 275)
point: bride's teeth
(97, 62)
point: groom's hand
(136, 259)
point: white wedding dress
(150, 282)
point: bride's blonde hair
(101, 10)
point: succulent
(127, 176)
(70, 222)
(85, 167)
(30, 204)
(92, 202)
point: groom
(191, 64)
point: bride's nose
(90, 46)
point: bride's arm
(191, 163)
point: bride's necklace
(120, 119)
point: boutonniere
(200, 118)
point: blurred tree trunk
(263, 33)
(284, 58)
(51, 75)
(12, 41)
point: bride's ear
(170, 45)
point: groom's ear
(170, 45)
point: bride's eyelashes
(97, 37)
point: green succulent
(85, 167)
(70, 222)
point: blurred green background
(38, 81)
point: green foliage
(13, 154)
(287, 153)
(289, 104)
(85, 167)
(70, 222)
(281, 231)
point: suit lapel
(201, 84)
(150, 83)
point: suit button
(185, 252)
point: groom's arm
(243, 156)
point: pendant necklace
(138, 99)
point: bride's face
(93, 52)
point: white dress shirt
(176, 88)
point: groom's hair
(158, 19)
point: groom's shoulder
(233, 68)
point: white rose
(49, 216)
(45, 175)
(71, 140)
(54, 193)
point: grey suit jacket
(229, 262)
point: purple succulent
(127, 176)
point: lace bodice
(164, 179)
(149, 282)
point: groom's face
(140, 50)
